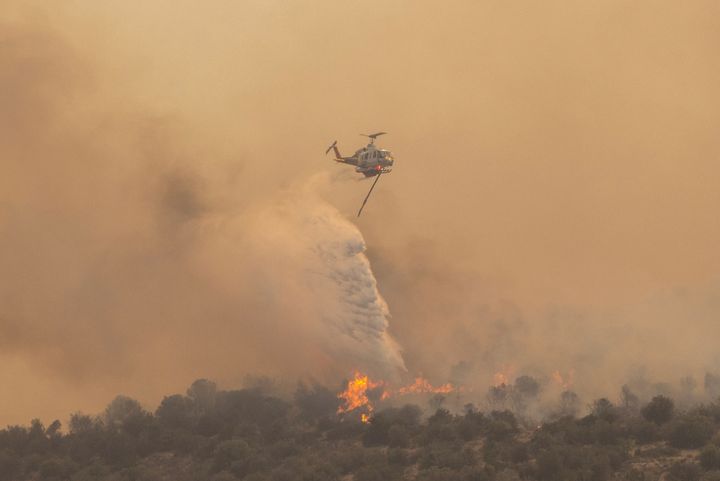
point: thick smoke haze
(166, 212)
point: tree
(175, 412)
(569, 403)
(317, 401)
(527, 387)
(120, 410)
(659, 410)
(712, 384)
(628, 399)
(605, 410)
(436, 402)
(203, 393)
(80, 423)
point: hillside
(249, 435)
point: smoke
(551, 208)
(135, 258)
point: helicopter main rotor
(373, 136)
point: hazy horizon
(167, 213)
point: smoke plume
(552, 207)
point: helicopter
(369, 161)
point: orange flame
(499, 379)
(503, 376)
(422, 385)
(355, 396)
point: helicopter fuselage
(369, 161)
(372, 161)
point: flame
(564, 382)
(355, 396)
(422, 385)
(499, 379)
(502, 377)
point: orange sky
(551, 157)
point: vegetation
(209, 434)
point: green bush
(690, 432)
(659, 410)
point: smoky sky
(553, 204)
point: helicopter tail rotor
(333, 146)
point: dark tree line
(211, 434)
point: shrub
(605, 410)
(690, 432)
(710, 457)
(685, 472)
(659, 411)
(644, 431)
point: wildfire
(564, 382)
(502, 377)
(355, 396)
(422, 385)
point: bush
(378, 473)
(685, 472)
(605, 410)
(437, 474)
(710, 457)
(659, 411)
(549, 466)
(644, 431)
(56, 468)
(691, 432)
